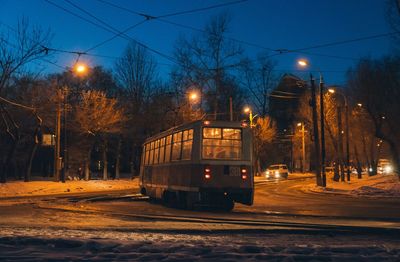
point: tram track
(221, 224)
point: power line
(279, 51)
(348, 41)
(172, 14)
(16, 104)
(121, 34)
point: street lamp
(248, 110)
(346, 106)
(304, 63)
(303, 146)
(79, 69)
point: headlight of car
(276, 174)
(388, 169)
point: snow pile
(374, 186)
(36, 188)
(76, 245)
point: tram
(199, 163)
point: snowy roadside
(38, 188)
(104, 245)
(373, 186)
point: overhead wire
(278, 51)
(113, 31)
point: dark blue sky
(276, 24)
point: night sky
(275, 24)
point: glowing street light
(302, 62)
(247, 110)
(80, 68)
(331, 90)
(321, 151)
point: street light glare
(331, 90)
(298, 124)
(80, 68)
(246, 109)
(193, 96)
(302, 63)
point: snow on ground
(36, 188)
(29, 244)
(371, 186)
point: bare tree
(375, 84)
(209, 61)
(259, 79)
(17, 49)
(264, 132)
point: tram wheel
(228, 204)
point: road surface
(284, 222)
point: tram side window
(147, 152)
(162, 150)
(156, 148)
(176, 146)
(222, 143)
(151, 153)
(168, 142)
(187, 142)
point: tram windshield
(222, 143)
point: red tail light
(207, 172)
(243, 172)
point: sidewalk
(38, 188)
(370, 186)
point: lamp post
(79, 69)
(248, 110)
(320, 154)
(303, 147)
(346, 108)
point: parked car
(384, 167)
(277, 171)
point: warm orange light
(81, 69)
(298, 124)
(193, 96)
(331, 90)
(302, 62)
(359, 104)
(247, 109)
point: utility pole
(321, 95)
(303, 148)
(230, 109)
(315, 131)
(347, 140)
(57, 163)
(64, 173)
(340, 143)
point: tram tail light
(243, 172)
(207, 172)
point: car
(384, 167)
(277, 171)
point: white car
(384, 167)
(277, 171)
